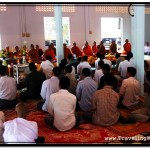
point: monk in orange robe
(50, 52)
(87, 49)
(94, 48)
(66, 50)
(33, 54)
(127, 46)
(75, 50)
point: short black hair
(106, 67)
(101, 56)
(63, 63)
(118, 55)
(32, 66)
(84, 58)
(70, 56)
(64, 82)
(3, 70)
(57, 71)
(101, 63)
(86, 72)
(131, 71)
(129, 55)
(68, 68)
(148, 75)
(109, 80)
(48, 57)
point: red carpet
(95, 135)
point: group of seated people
(71, 95)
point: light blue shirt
(49, 87)
(85, 90)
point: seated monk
(87, 50)
(66, 50)
(33, 54)
(50, 52)
(20, 130)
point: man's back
(105, 102)
(49, 87)
(62, 106)
(47, 68)
(8, 88)
(123, 67)
(130, 90)
(83, 65)
(20, 130)
(84, 92)
(34, 82)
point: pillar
(59, 33)
(137, 38)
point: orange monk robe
(33, 56)
(94, 49)
(87, 51)
(51, 53)
(75, 50)
(127, 47)
(66, 52)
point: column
(59, 34)
(137, 37)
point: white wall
(11, 25)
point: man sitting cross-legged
(49, 87)
(8, 90)
(142, 114)
(20, 130)
(61, 107)
(104, 104)
(84, 92)
(130, 90)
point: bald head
(22, 110)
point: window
(49, 30)
(111, 33)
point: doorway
(111, 30)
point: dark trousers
(8, 104)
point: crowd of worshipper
(73, 93)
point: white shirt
(49, 87)
(106, 61)
(123, 68)
(8, 88)
(84, 92)
(130, 89)
(47, 68)
(132, 61)
(97, 76)
(73, 72)
(146, 49)
(83, 65)
(20, 130)
(62, 106)
(96, 63)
